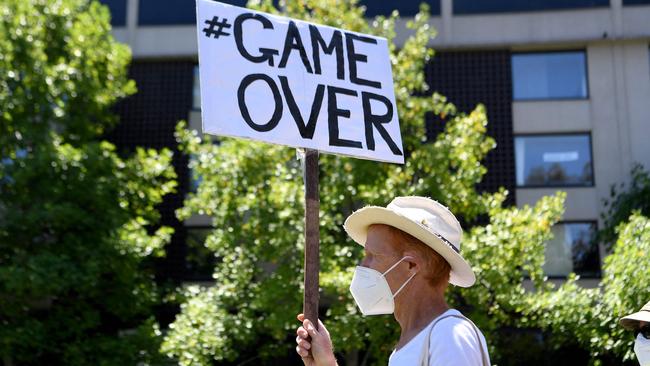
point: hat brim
(631, 321)
(357, 225)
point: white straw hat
(632, 321)
(423, 218)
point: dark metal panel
(148, 119)
(469, 78)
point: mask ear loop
(393, 266)
(405, 283)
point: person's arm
(318, 350)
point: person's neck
(416, 310)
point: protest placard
(289, 82)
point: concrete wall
(556, 116)
(619, 78)
(539, 28)
(616, 114)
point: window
(506, 6)
(573, 249)
(196, 89)
(152, 12)
(555, 75)
(553, 160)
(199, 260)
(406, 8)
(118, 11)
(636, 2)
(172, 12)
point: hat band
(449, 244)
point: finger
(302, 333)
(310, 328)
(301, 352)
(304, 344)
(301, 317)
(302, 341)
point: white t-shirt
(453, 343)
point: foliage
(504, 252)
(590, 316)
(623, 201)
(75, 218)
(254, 193)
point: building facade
(566, 84)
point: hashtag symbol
(215, 27)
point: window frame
(551, 99)
(557, 134)
(600, 259)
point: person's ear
(413, 260)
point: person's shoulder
(454, 342)
(453, 328)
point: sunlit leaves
(254, 194)
(590, 316)
(77, 220)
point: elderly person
(639, 322)
(412, 253)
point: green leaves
(77, 221)
(254, 194)
(625, 200)
(60, 68)
(590, 316)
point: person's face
(639, 327)
(381, 253)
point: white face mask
(371, 292)
(642, 350)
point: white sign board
(294, 83)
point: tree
(590, 316)
(625, 200)
(254, 193)
(76, 219)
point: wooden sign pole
(312, 236)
